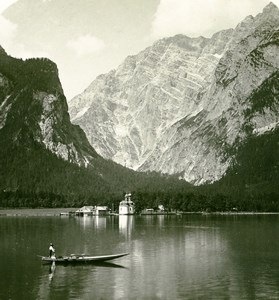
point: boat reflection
(104, 264)
(51, 271)
(64, 276)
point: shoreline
(34, 212)
(50, 212)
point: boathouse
(85, 211)
(92, 211)
(100, 210)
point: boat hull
(81, 258)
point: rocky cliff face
(33, 109)
(181, 105)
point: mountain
(251, 181)
(45, 160)
(32, 87)
(36, 135)
(184, 105)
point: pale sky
(86, 38)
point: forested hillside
(44, 159)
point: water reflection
(255, 263)
(193, 257)
(126, 224)
(84, 221)
(181, 259)
(75, 279)
(100, 222)
(92, 221)
(161, 220)
(51, 271)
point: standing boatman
(51, 250)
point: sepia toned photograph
(139, 149)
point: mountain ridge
(178, 106)
(215, 105)
(44, 159)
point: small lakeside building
(127, 206)
(92, 211)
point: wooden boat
(81, 258)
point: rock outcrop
(181, 105)
(33, 108)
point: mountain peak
(270, 8)
(270, 12)
(269, 15)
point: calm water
(171, 257)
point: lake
(171, 257)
